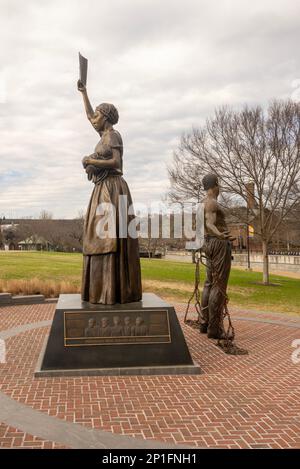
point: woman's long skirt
(111, 265)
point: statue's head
(210, 181)
(139, 321)
(109, 111)
(116, 320)
(104, 322)
(105, 112)
(92, 322)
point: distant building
(34, 244)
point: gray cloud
(166, 65)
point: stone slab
(5, 298)
(28, 299)
(70, 351)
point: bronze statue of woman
(111, 265)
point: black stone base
(156, 346)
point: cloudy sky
(165, 64)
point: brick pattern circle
(250, 401)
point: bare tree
(52, 231)
(10, 237)
(242, 147)
(76, 229)
(45, 215)
(24, 231)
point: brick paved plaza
(250, 401)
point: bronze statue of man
(217, 249)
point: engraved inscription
(116, 327)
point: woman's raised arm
(87, 105)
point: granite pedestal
(139, 338)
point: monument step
(5, 298)
(28, 299)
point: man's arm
(210, 221)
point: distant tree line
(57, 235)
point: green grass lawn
(42, 265)
(173, 280)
